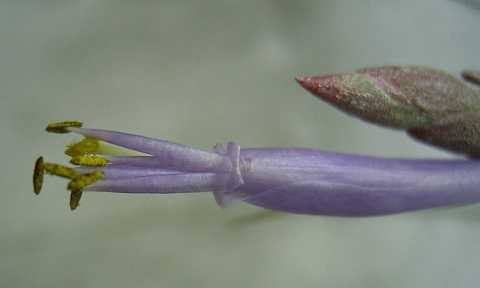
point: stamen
(60, 170)
(85, 146)
(75, 196)
(82, 181)
(38, 171)
(89, 160)
(62, 127)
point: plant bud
(434, 106)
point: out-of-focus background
(202, 72)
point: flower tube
(295, 180)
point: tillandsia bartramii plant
(431, 105)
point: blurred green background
(199, 73)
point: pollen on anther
(89, 160)
(62, 127)
(472, 76)
(38, 172)
(82, 181)
(85, 146)
(60, 170)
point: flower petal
(172, 155)
(164, 184)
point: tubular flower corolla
(295, 180)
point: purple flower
(431, 105)
(294, 180)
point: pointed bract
(409, 98)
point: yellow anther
(60, 170)
(89, 160)
(75, 196)
(85, 146)
(472, 76)
(82, 181)
(38, 175)
(62, 127)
